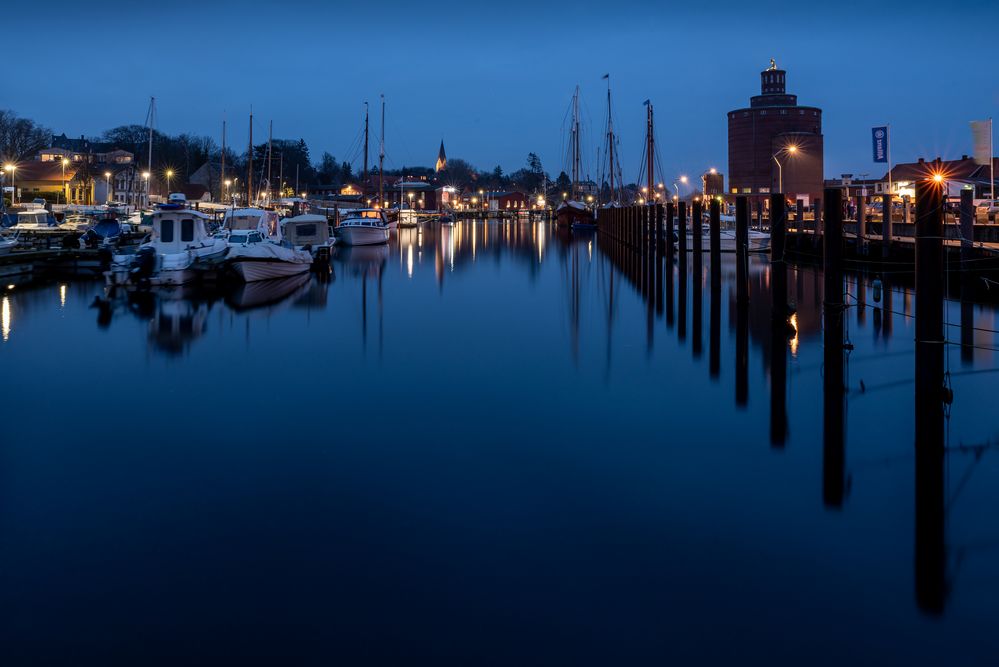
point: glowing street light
(64, 163)
(789, 150)
(107, 185)
(13, 190)
(169, 175)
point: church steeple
(441, 159)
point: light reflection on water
(493, 435)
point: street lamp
(169, 175)
(13, 189)
(64, 163)
(107, 186)
(790, 150)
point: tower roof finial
(773, 64)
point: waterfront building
(773, 140)
(712, 183)
(957, 174)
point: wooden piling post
(681, 229)
(741, 224)
(778, 227)
(931, 560)
(714, 232)
(670, 214)
(861, 222)
(886, 230)
(834, 395)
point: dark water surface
(483, 445)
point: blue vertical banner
(879, 137)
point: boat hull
(362, 235)
(567, 215)
(757, 242)
(255, 270)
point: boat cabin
(38, 217)
(257, 219)
(174, 231)
(306, 230)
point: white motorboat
(758, 241)
(178, 249)
(257, 250)
(408, 218)
(76, 223)
(310, 233)
(35, 220)
(366, 226)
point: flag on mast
(981, 135)
(879, 139)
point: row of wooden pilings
(641, 239)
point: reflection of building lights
(62, 296)
(409, 261)
(5, 319)
(794, 341)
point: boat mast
(150, 120)
(650, 149)
(381, 160)
(222, 168)
(249, 165)
(270, 137)
(575, 142)
(610, 138)
(364, 174)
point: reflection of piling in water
(778, 322)
(967, 308)
(742, 301)
(660, 246)
(696, 226)
(714, 317)
(668, 257)
(833, 366)
(930, 550)
(681, 306)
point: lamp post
(169, 175)
(790, 150)
(145, 178)
(107, 186)
(13, 188)
(64, 163)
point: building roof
(36, 170)
(965, 169)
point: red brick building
(774, 124)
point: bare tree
(21, 138)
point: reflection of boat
(260, 293)
(585, 225)
(358, 259)
(363, 227)
(758, 241)
(176, 323)
(178, 243)
(446, 219)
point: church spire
(441, 159)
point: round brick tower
(772, 124)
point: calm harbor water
(489, 445)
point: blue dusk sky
(494, 80)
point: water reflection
(534, 421)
